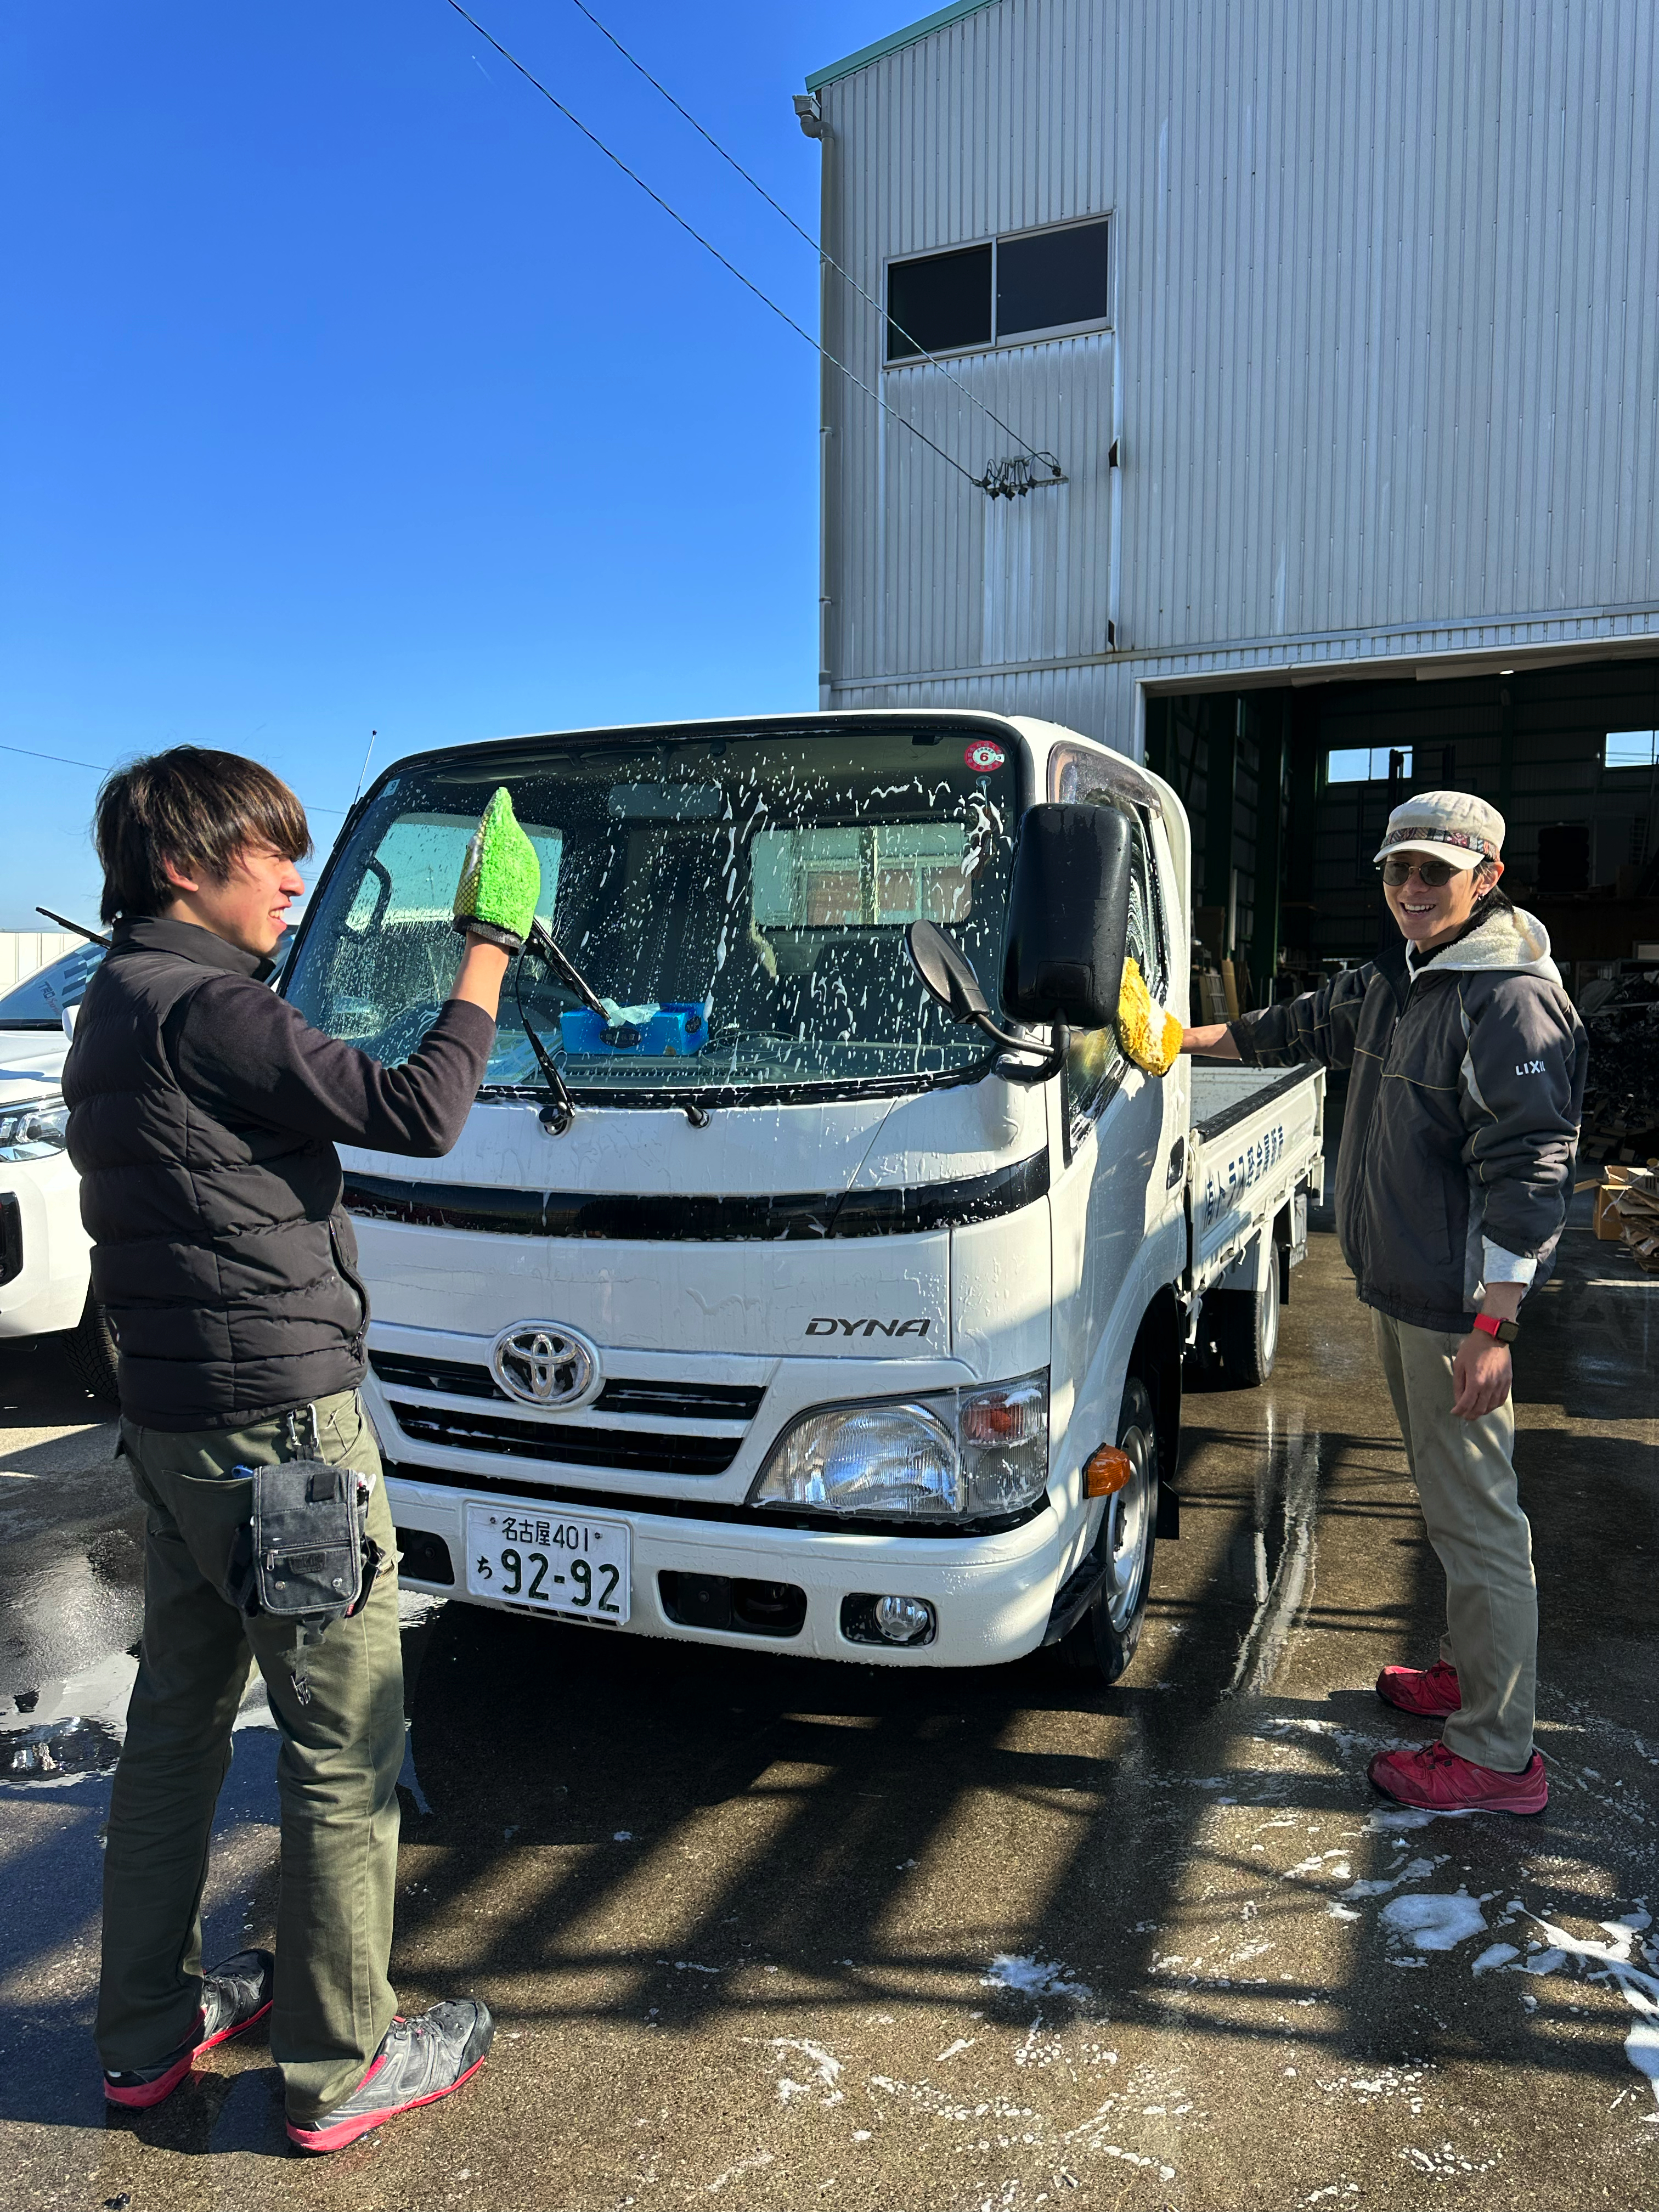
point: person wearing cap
(1452, 1184)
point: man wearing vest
(204, 1117)
(1452, 1183)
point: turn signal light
(1106, 1472)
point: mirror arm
(1054, 1053)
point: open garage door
(1288, 788)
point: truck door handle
(1177, 1161)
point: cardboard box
(1627, 1211)
(1609, 1230)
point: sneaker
(418, 2062)
(1431, 1690)
(234, 1997)
(1442, 1781)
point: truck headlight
(33, 1128)
(944, 1456)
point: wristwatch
(1505, 1331)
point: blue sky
(345, 387)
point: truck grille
(670, 1401)
(637, 1448)
(582, 1442)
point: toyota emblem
(544, 1364)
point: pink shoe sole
(348, 2131)
(147, 2094)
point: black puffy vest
(220, 1247)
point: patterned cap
(1453, 825)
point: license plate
(548, 1562)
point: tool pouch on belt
(306, 1556)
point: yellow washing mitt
(1151, 1036)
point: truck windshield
(739, 902)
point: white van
(771, 1296)
(45, 1271)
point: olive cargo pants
(1465, 1476)
(337, 1773)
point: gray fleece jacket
(1462, 1118)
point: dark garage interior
(1565, 753)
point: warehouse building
(1270, 387)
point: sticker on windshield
(984, 754)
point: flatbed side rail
(1229, 1117)
(1247, 1160)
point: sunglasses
(1431, 874)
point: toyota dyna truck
(815, 1271)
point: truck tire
(91, 1349)
(1103, 1641)
(1238, 1336)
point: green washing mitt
(501, 879)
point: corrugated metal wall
(23, 950)
(1385, 365)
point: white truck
(785, 1289)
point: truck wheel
(91, 1349)
(1239, 1332)
(1103, 1641)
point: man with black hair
(1452, 1182)
(204, 1113)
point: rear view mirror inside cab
(1068, 916)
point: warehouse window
(1629, 748)
(1367, 764)
(939, 304)
(1051, 278)
(1039, 283)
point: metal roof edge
(937, 21)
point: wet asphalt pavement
(764, 1933)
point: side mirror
(1068, 916)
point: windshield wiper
(552, 955)
(557, 1117)
(79, 927)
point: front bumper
(49, 1291)
(992, 1594)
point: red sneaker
(1441, 1780)
(1431, 1690)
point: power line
(61, 759)
(731, 267)
(98, 769)
(732, 161)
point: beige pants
(1465, 1476)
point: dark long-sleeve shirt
(236, 1045)
(205, 1112)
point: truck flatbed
(1257, 1135)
